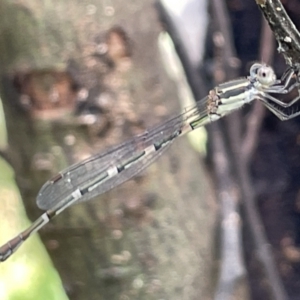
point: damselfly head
(263, 74)
(266, 76)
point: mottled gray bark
(151, 238)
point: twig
(232, 269)
(248, 146)
(255, 119)
(284, 30)
(264, 253)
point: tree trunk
(151, 238)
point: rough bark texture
(151, 238)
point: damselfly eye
(266, 76)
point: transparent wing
(84, 174)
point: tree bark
(153, 236)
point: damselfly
(104, 171)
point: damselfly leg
(288, 83)
(281, 114)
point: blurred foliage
(3, 132)
(29, 273)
